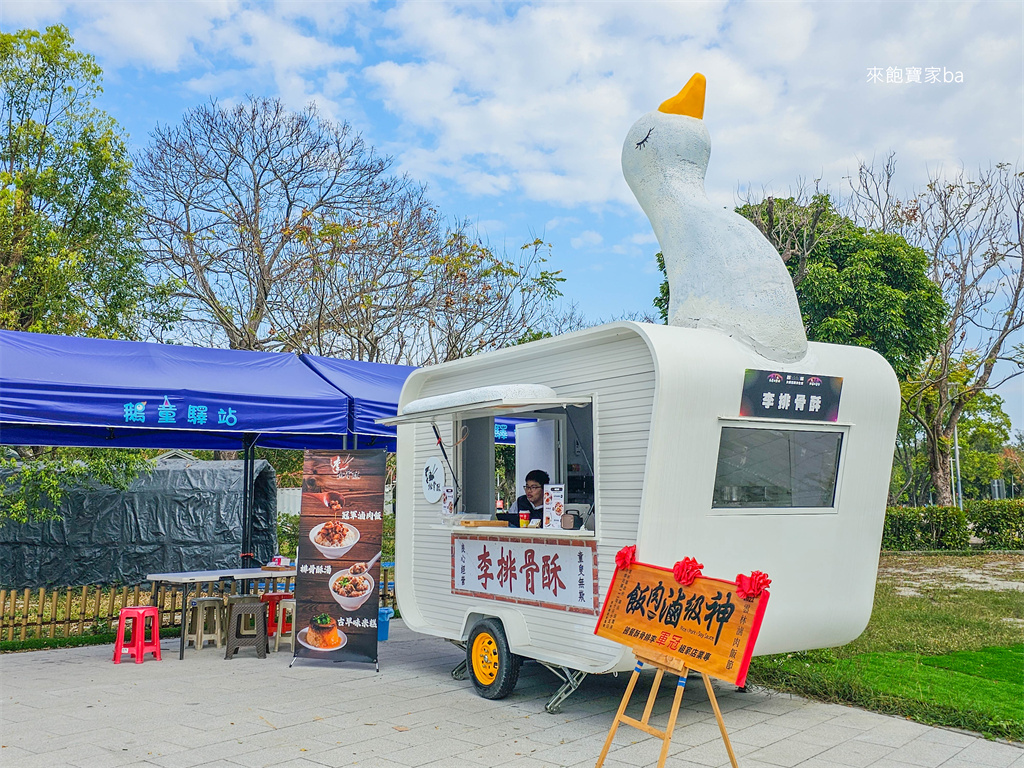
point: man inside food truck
(529, 506)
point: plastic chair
(272, 599)
(286, 629)
(205, 612)
(138, 646)
(239, 610)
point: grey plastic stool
(204, 620)
(237, 611)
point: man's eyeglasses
(532, 487)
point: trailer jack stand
(571, 680)
(459, 673)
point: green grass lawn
(945, 654)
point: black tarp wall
(185, 516)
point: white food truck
(682, 441)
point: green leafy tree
(1013, 466)
(33, 480)
(909, 482)
(984, 434)
(661, 301)
(70, 260)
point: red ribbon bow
(625, 557)
(686, 570)
(752, 585)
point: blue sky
(514, 113)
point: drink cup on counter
(524, 519)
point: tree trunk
(225, 455)
(938, 465)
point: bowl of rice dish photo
(351, 590)
(334, 538)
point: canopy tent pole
(248, 499)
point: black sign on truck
(800, 396)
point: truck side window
(776, 468)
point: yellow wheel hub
(485, 658)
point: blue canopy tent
(375, 389)
(64, 391)
(59, 390)
(103, 393)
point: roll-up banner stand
(340, 527)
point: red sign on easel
(709, 625)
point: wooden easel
(643, 723)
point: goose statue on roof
(722, 272)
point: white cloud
(31, 14)
(533, 100)
(536, 92)
(587, 238)
(560, 221)
(159, 35)
(516, 112)
(229, 47)
(539, 97)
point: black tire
(493, 668)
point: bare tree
(873, 201)
(362, 285)
(972, 228)
(230, 192)
(480, 300)
(287, 233)
(401, 286)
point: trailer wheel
(492, 666)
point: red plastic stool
(138, 646)
(272, 599)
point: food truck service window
(557, 437)
(558, 441)
(777, 468)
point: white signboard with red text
(551, 573)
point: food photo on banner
(340, 533)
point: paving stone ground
(75, 708)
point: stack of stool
(204, 618)
(138, 646)
(239, 610)
(285, 629)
